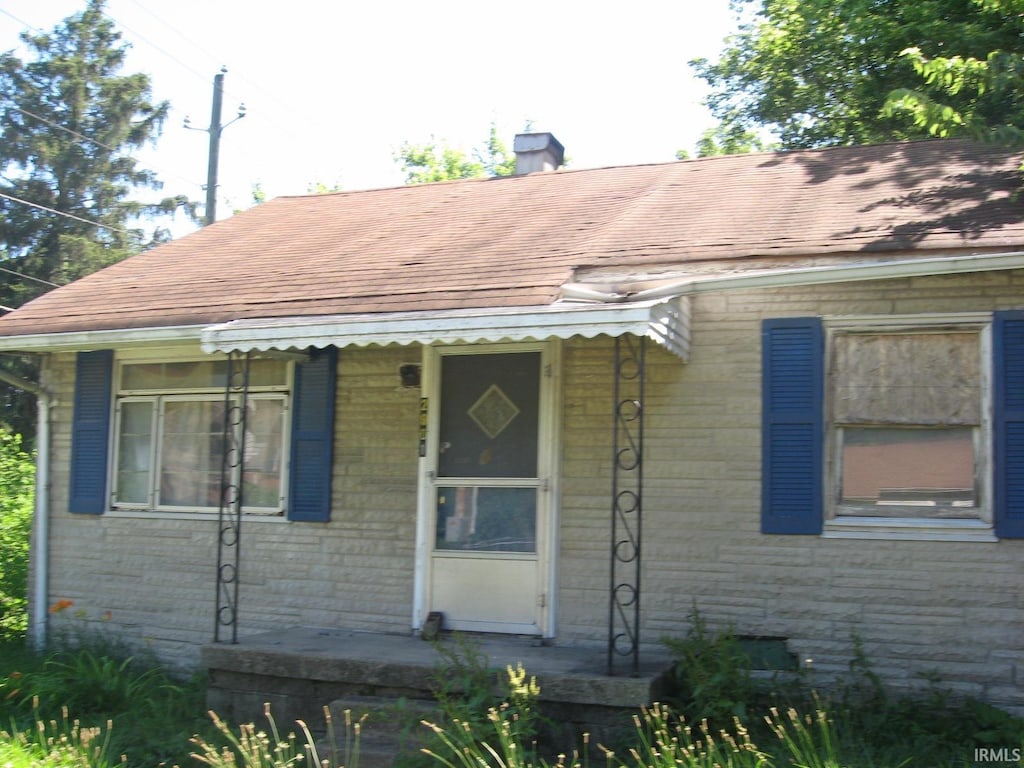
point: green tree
(819, 72)
(319, 188)
(69, 185)
(425, 163)
(17, 486)
(727, 138)
(68, 123)
(433, 161)
(967, 84)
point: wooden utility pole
(215, 131)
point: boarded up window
(926, 379)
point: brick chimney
(537, 152)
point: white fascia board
(891, 270)
(87, 340)
(797, 276)
(663, 320)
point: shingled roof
(513, 242)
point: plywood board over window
(908, 422)
(927, 379)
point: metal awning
(665, 321)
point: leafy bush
(463, 683)
(17, 491)
(710, 677)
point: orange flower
(61, 605)
(108, 616)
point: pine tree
(69, 185)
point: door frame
(548, 472)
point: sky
(333, 88)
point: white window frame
(842, 520)
(159, 398)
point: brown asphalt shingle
(513, 241)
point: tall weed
(250, 747)
(662, 740)
(710, 677)
(57, 744)
(469, 689)
(479, 704)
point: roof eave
(797, 276)
(659, 313)
(79, 341)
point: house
(786, 389)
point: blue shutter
(90, 431)
(1008, 424)
(309, 486)
(792, 438)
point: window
(170, 436)
(901, 426)
(908, 434)
(162, 404)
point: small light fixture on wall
(410, 375)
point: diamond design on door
(493, 411)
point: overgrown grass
(867, 724)
(141, 709)
(93, 704)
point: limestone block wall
(150, 577)
(917, 607)
(952, 609)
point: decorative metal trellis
(229, 518)
(627, 504)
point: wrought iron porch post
(627, 503)
(232, 474)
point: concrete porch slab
(299, 671)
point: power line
(27, 26)
(66, 215)
(133, 36)
(64, 128)
(23, 23)
(213, 59)
(282, 128)
(29, 277)
(97, 142)
(153, 45)
(171, 56)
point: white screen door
(486, 502)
